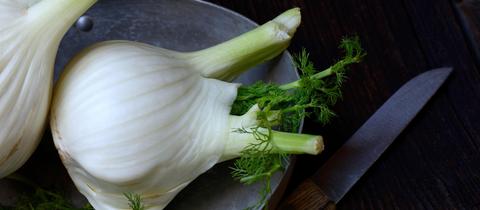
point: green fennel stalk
(283, 107)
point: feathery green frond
(313, 96)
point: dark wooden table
(435, 163)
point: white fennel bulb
(30, 32)
(133, 118)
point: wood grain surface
(307, 196)
(469, 16)
(435, 163)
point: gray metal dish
(183, 25)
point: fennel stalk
(313, 96)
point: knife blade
(341, 171)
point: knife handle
(307, 196)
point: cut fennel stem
(130, 117)
(30, 33)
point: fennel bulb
(30, 33)
(133, 118)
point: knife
(335, 178)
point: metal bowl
(182, 25)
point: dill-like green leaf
(44, 200)
(257, 162)
(40, 198)
(313, 96)
(134, 201)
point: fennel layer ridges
(30, 33)
(142, 129)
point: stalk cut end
(227, 60)
(319, 146)
(289, 21)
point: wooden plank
(441, 38)
(468, 12)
